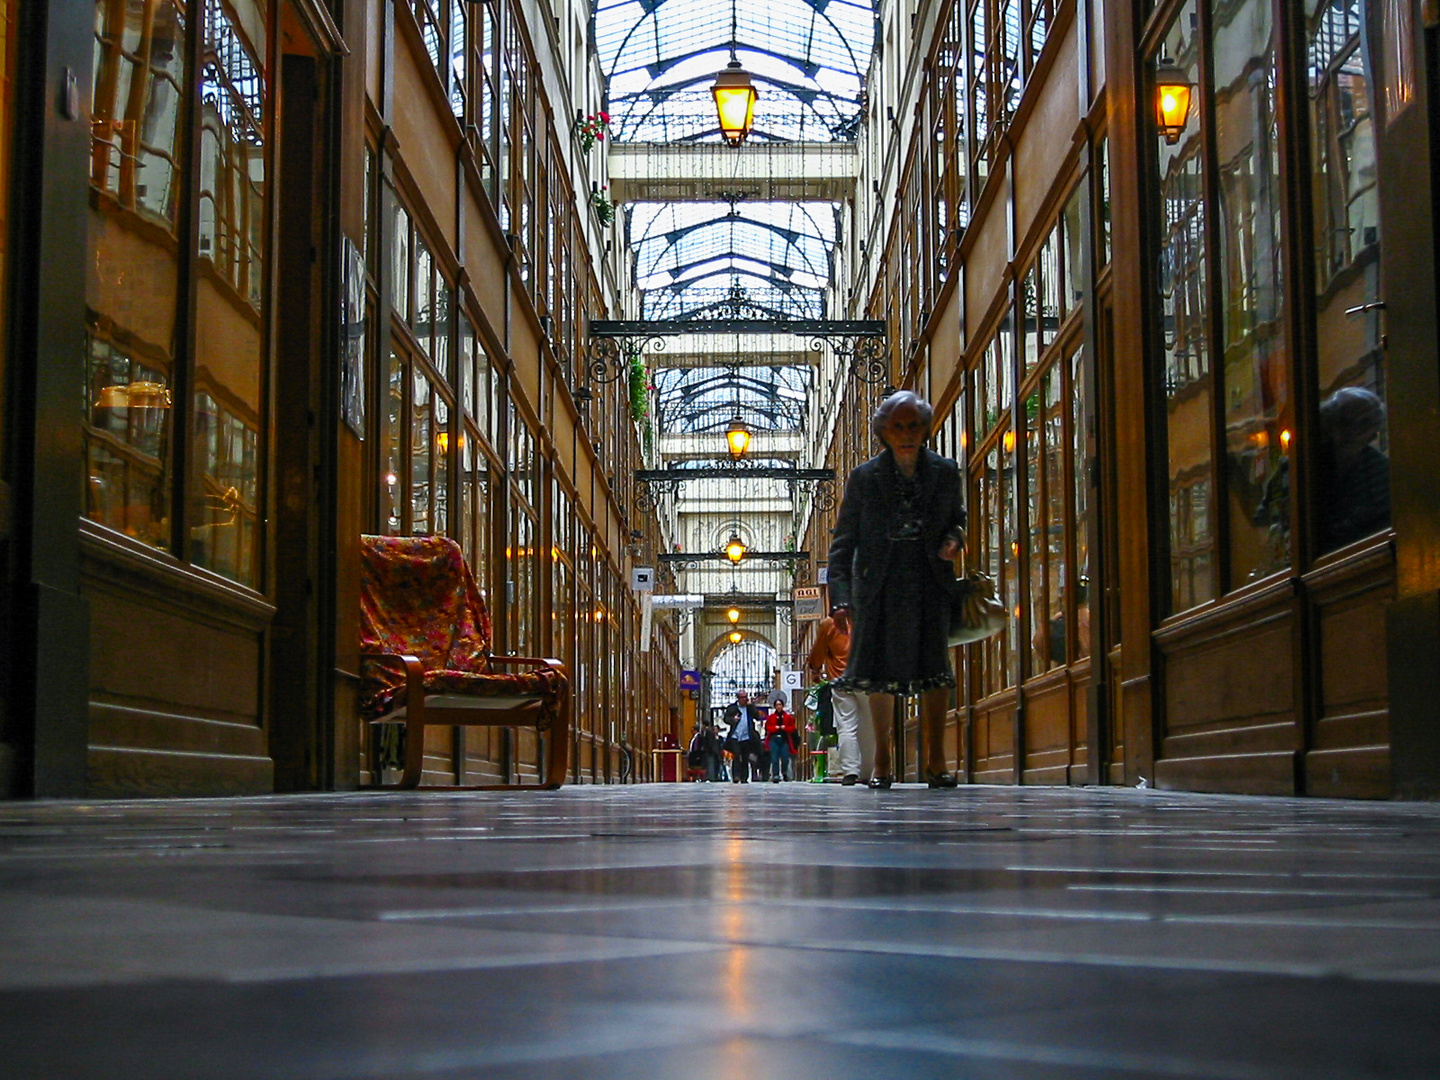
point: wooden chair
(425, 657)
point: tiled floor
(715, 932)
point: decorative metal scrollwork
(652, 484)
(680, 563)
(825, 499)
(610, 356)
(649, 492)
(866, 356)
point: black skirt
(898, 641)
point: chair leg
(557, 760)
(414, 752)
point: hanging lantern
(736, 637)
(737, 438)
(735, 97)
(735, 548)
(1173, 91)
(733, 615)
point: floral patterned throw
(418, 598)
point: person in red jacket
(780, 739)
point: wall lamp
(1173, 92)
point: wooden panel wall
(175, 682)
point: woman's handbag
(975, 614)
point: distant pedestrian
(743, 740)
(854, 729)
(780, 739)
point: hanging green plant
(604, 208)
(639, 395)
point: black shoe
(850, 780)
(880, 783)
(941, 779)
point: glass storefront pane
(440, 342)
(1353, 474)
(1030, 340)
(1102, 219)
(1079, 571)
(466, 359)
(465, 528)
(234, 202)
(1058, 571)
(137, 164)
(1259, 413)
(1038, 610)
(989, 558)
(1185, 359)
(1009, 584)
(400, 262)
(394, 445)
(481, 561)
(424, 321)
(420, 435)
(441, 497)
(1052, 300)
(1076, 277)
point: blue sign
(689, 680)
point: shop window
(1352, 499)
(127, 442)
(1230, 422)
(229, 349)
(459, 58)
(419, 447)
(1185, 314)
(8, 39)
(394, 445)
(1079, 565)
(139, 168)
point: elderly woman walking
(901, 524)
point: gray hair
(1352, 414)
(893, 402)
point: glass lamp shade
(1173, 91)
(736, 637)
(733, 615)
(735, 97)
(737, 439)
(735, 549)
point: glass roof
(708, 260)
(741, 295)
(713, 260)
(677, 241)
(807, 58)
(705, 399)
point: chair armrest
(414, 672)
(534, 661)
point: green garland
(639, 398)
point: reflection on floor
(712, 931)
